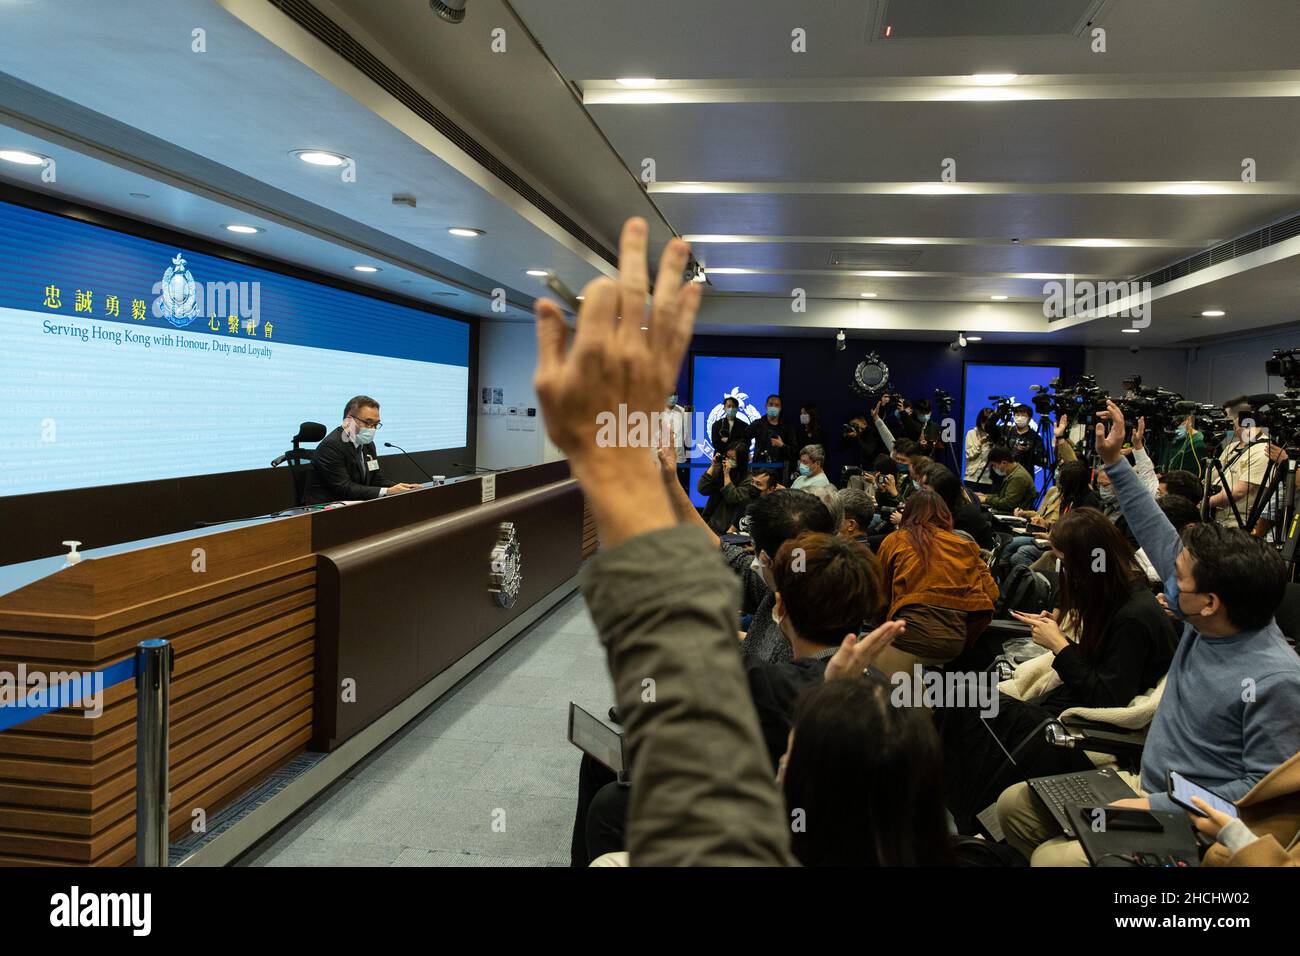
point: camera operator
(1026, 445)
(867, 441)
(1248, 461)
(1187, 453)
(929, 435)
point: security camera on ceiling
(453, 11)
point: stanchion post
(152, 800)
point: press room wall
(507, 360)
(812, 370)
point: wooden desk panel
(391, 592)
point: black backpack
(1026, 590)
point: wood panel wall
(243, 638)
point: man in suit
(729, 430)
(345, 465)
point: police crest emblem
(179, 294)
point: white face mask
(1021, 421)
(805, 418)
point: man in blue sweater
(1230, 712)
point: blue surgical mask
(773, 411)
(365, 436)
(1181, 431)
(1171, 596)
(672, 400)
(923, 419)
(731, 413)
(804, 469)
(1107, 493)
(900, 467)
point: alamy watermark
(54, 690)
(1085, 299)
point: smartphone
(1122, 818)
(597, 739)
(1181, 791)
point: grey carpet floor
(484, 777)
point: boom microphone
(389, 444)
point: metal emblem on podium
(506, 575)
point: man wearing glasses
(345, 465)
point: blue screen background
(1010, 380)
(713, 377)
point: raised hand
(857, 654)
(1110, 446)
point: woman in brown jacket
(936, 581)
(1267, 832)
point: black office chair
(299, 459)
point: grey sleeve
(702, 792)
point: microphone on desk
(389, 444)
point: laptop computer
(1064, 793)
(598, 740)
(1169, 842)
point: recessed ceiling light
(21, 157)
(637, 82)
(536, 272)
(933, 189)
(645, 328)
(1214, 313)
(465, 232)
(580, 298)
(993, 79)
(242, 229)
(367, 268)
(1130, 331)
(320, 157)
(974, 338)
(998, 298)
(868, 295)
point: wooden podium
(266, 621)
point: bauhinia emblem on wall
(506, 576)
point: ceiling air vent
(1225, 252)
(872, 259)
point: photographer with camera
(926, 432)
(729, 487)
(868, 440)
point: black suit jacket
(763, 431)
(337, 473)
(739, 435)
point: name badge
(372, 464)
